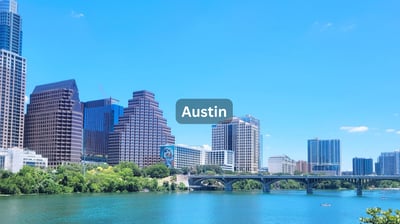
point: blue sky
(326, 69)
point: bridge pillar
(266, 187)
(359, 190)
(359, 187)
(228, 187)
(309, 188)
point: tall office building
(242, 136)
(362, 166)
(12, 76)
(99, 119)
(388, 163)
(53, 122)
(140, 132)
(324, 156)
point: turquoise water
(196, 207)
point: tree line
(124, 177)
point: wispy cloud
(390, 130)
(348, 27)
(322, 26)
(267, 135)
(331, 26)
(77, 15)
(354, 129)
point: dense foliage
(125, 177)
(247, 185)
(378, 216)
(203, 170)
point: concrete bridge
(309, 181)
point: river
(196, 207)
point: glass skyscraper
(388, 163)
(362, 166)
(324, 156)
(53, 125)
(242, 136)
(140, 132)
(12, 76)
(99, 119)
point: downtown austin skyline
(306, 70)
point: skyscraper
(324, 156)
(99, 119)
(140, 132)
(53, 126)
(362, 166)
(242, 136)
(12, 76)
(388, 163)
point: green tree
(136, 171)
(158, 170)
(378, 216)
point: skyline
(306, 70)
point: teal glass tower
(12, 76)
(10, 27)
(99, 119)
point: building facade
(281, 164)
(362, 166)
(12, 76)
(180, 156)
(99, 119)
(53, 126)
(140, 132)
(324, 156)
(14, 159)
(242, 136)
(223, 158)
(302, 166)
(388, 163)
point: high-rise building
(12, 76)
(281, 164)
(324, 156)
(99, 119)
(140, 132)
(53, 122)
(388, 163)
(10, 27)
(362, 166)
(242, 136)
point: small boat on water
(326, 205)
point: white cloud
(390, 130)
(26, 99)
(267, 135)
(398, 132)
(323, 26)
(348, 28)
(77, 15)
(354, 129)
